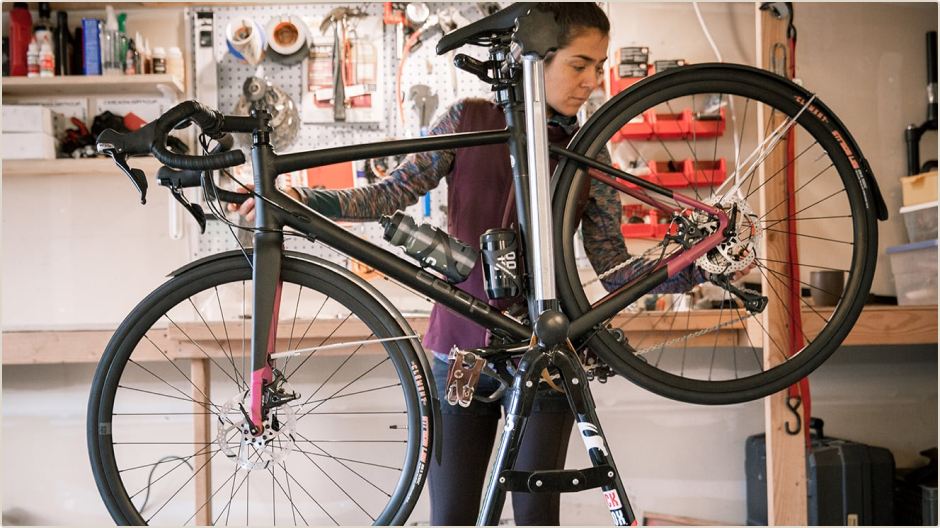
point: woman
(480, 197)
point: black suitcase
(847, 483)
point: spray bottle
(112, 52)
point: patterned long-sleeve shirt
(419, 173)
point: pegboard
(422, 66)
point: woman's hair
(575, 18)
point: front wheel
(784, 168)
(167, 434)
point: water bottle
(431, 246)
(502, 274)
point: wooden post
(202, 437)
(786, 454)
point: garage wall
(864, 60)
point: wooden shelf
(89, 85)
(878, 325)
(76, 167)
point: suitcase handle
(816, 424)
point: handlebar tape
(211, 122)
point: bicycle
(326, 348)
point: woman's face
(574, 71)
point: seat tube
(268, 241)
(540, 221)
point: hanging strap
(798, 394)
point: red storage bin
(685, 173)
(672, 126)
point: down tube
(305, 220)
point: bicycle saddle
(485, 30)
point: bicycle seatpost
(536, 35)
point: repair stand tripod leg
(602, 475)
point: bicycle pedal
(462, 381)
(556, 481)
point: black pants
(456, 485)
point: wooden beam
(200, 370)
(786, 454)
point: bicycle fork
(603, 474)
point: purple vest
(479, 189)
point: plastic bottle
(43, 28)
(431, 246)
(21, 33)
(174, 63)
(112, 56)
(147, 58)
(32, 59)
(159, 60)
(46, 60)
(124, 42)
(63, 45)
(131, 59)
(140, 52)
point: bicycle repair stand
(603, 474)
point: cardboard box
(918, 189)
(91, 44)
(32, 118)
(28, 145)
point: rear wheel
(167, 436)
(696, 126)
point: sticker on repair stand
(613, 500)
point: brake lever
(118, 146)
(137, 176)
(194, 209)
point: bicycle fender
(431, 389)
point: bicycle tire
(316, 471)
(835, 198)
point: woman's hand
(247, 208)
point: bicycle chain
(624, 264)
(702, 332)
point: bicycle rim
(691, 124)
(169, 448)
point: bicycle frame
(276, 211)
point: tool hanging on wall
(338, 19)
(246, 40)
(261, 94)
(288, 39)
(432, 24)
(425, 101)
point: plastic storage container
(921, 221)
(915, 272)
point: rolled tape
(246, 40)
(286, 34)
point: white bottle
(46, 60)
(159, 60)
(174, 63)
(32, 59)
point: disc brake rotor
(256, 452)
(738, 251)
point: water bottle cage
(449, 270)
